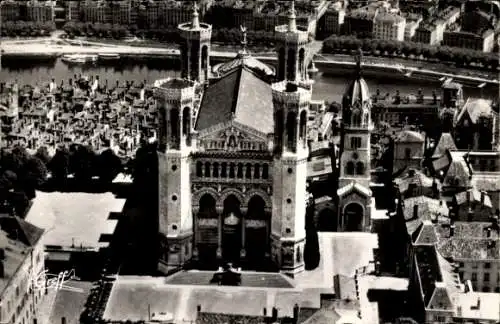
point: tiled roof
(417, 177)
(241, 96)
(440, 298)
(458, 173)
(445, 142)
(475, 197)
(21, 230)
(469, 241)
(441, 163)
(408, 136)
(428, 208)
(476, 107)
(425, 234)
(428, 270)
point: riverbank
(325, 63)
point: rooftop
(427, 209)
(445, 142)
(174, 84)
(475, 108)
(466, 306)
(17, 237)
(79, 219)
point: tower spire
(292, 23)
(195, 23)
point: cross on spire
(196, 20)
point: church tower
(292, 44)
(291, 103)
(195, 48)
(175, 103)
(354, 192)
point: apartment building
(72, 11)
(333, 19)
(11, 11)
(475, 249)
(412, 23)
(40, 11)
(483, 41)
(426, 33)
(21, 264)
(360, 21)
(389, 26)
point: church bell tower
(195, 48)
(291, 101)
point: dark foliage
(109, 166)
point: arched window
(349, 168)
(291, 64)
(248, 171)
(265, 171)
(281, 64)
(239, 174)
(215, 172)
(356, 118)
(303, 124)
(207, 169)
(231, 170)
(223, 171)
(186, 121)
(204, 57)
(291, 126)
(302, 56)
(280, 120)
(174, 124)
(184, 60)
(256, 172)
(194, 61)
(199, 169)
(360, 168)
(207, 206)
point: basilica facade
(233, 155)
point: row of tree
(96, 30)
(459, 56)
(26, 28)
(22, 173)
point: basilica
(233, 152)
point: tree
(43, 154)
(59, 165)
(109, 165)
(33, 176)
(311, 248)
(82, 162)
(19, 202)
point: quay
(326, 63)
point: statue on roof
(244, 41)
(358, 57)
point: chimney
(63, 320)
(452, 230)
(2, 254)
(198, 308)
(470, 214)
(411, 173)
(35, 321)
(488, 232)
(2, 270)
(468, 196)
(482, 197)
(265, 312)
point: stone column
(219, 234)
(243, 252)
(195, 234)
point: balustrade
(232, 170)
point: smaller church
(234, 149)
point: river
(328, 87)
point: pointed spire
(292, 23)
(359, 58)
(195, 23)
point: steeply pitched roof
(239, 95)
(472, 196)
(459, 172)
(21, 230)
(445, 142)
(413, 177)
(425, 234)
(427, 210)
(440, 298)
(476, 107)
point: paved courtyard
(67, 304)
